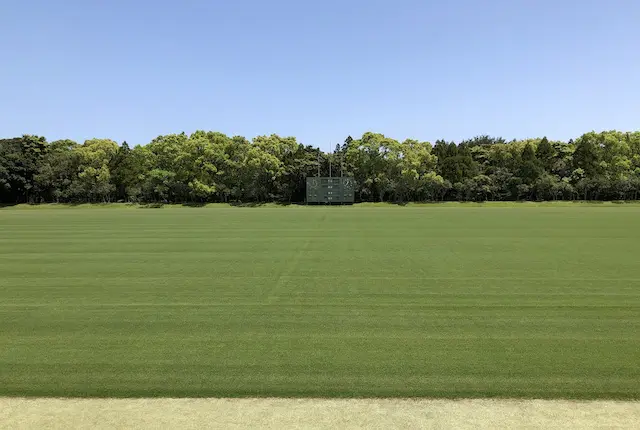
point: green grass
(435, 301)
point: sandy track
(16, 413)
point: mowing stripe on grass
(338, 302)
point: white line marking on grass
(274, 413)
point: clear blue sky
(318, 70)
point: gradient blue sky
(321, 70)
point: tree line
(213, 167)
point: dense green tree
(546, 155)
(210, 166)
(587, 155)
(370, 159)
(530, 168)
(57, 171)
(20, 160)
(93, 180)
(121, 168)
(458, 168)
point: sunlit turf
(435, 301)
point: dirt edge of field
(21, 413)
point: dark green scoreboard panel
(330, 190)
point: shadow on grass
(152, 205)
(65, 204)
(159, 205)
(590, 202)
(260, 204)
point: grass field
(432, 301)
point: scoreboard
(330, 190)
